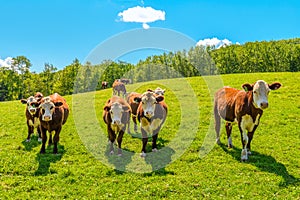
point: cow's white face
(47, 109)
(260, 91)
(149, 101)
(116, 112)
(159, 91)
(31, 103)
(260, 94)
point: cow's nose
(116, 122)
(32, 110)
(264, 105)
(149, 113)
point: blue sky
(58, 31)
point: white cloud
(6, 62)
(142, 15)
(215, 42)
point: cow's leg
(145, 141)
(154, 139)
(244, 138)
(44, 139)
(228, 127)
(217, 125)
(30, 131)
(134, 123)
(39, 134)
(120, 137)
(56, 140)
(112, 138)
(50, 142)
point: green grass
(188, 165)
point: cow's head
(47, 108)
(116, 111)
(159, 91)
(260, 91)
(32, 104)
(148, 102)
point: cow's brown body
(59, 116)
(104, 84)
(32, 115)
(116, 126)
(239, 105)
(151, 124)
(134, 106)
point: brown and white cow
(104, 84)
(54, 112)
(159, 91)
(152, 113)
(118, 87)
(31, 113)
(116, 115)
(246, 107)
(134, 107)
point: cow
(118, 87)
(31, 113)
(104, 84)
(116, 115)
(159, 91)
(54, 112)
(134, 106)
(151, 114)
(244, 106)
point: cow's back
(225, 102)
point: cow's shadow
(159, 161)
(119, 162)
(46, 159)
(32, 143)
(262, 162)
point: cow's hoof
(230, 146)
(218, 141)
(244, 158)
(27, 140)
(120, 154)
(42, 152)
(143, 154)
(111, 152)
(154, 150)
(39, 139)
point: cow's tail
(217, 122)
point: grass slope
(188, 165)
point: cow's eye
(51, 107)
(255, 92)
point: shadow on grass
(32, 143)
(119, 162)
(159, 160)
(264, 163)
(46, 159)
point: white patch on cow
(244, 155)
(30, 122)
(36, 122)
(155, 124)
(247, 124)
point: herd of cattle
(150, 109)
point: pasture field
(188, 164)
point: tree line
(17, 81)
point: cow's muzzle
(47, 118)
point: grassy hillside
(188, 166)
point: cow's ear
(106, 108)
(137, 99)
(275, 86)
(57, 104)
(150, 90)
(23, 101)
(247, 87)
(126, 108)
(159, 98)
